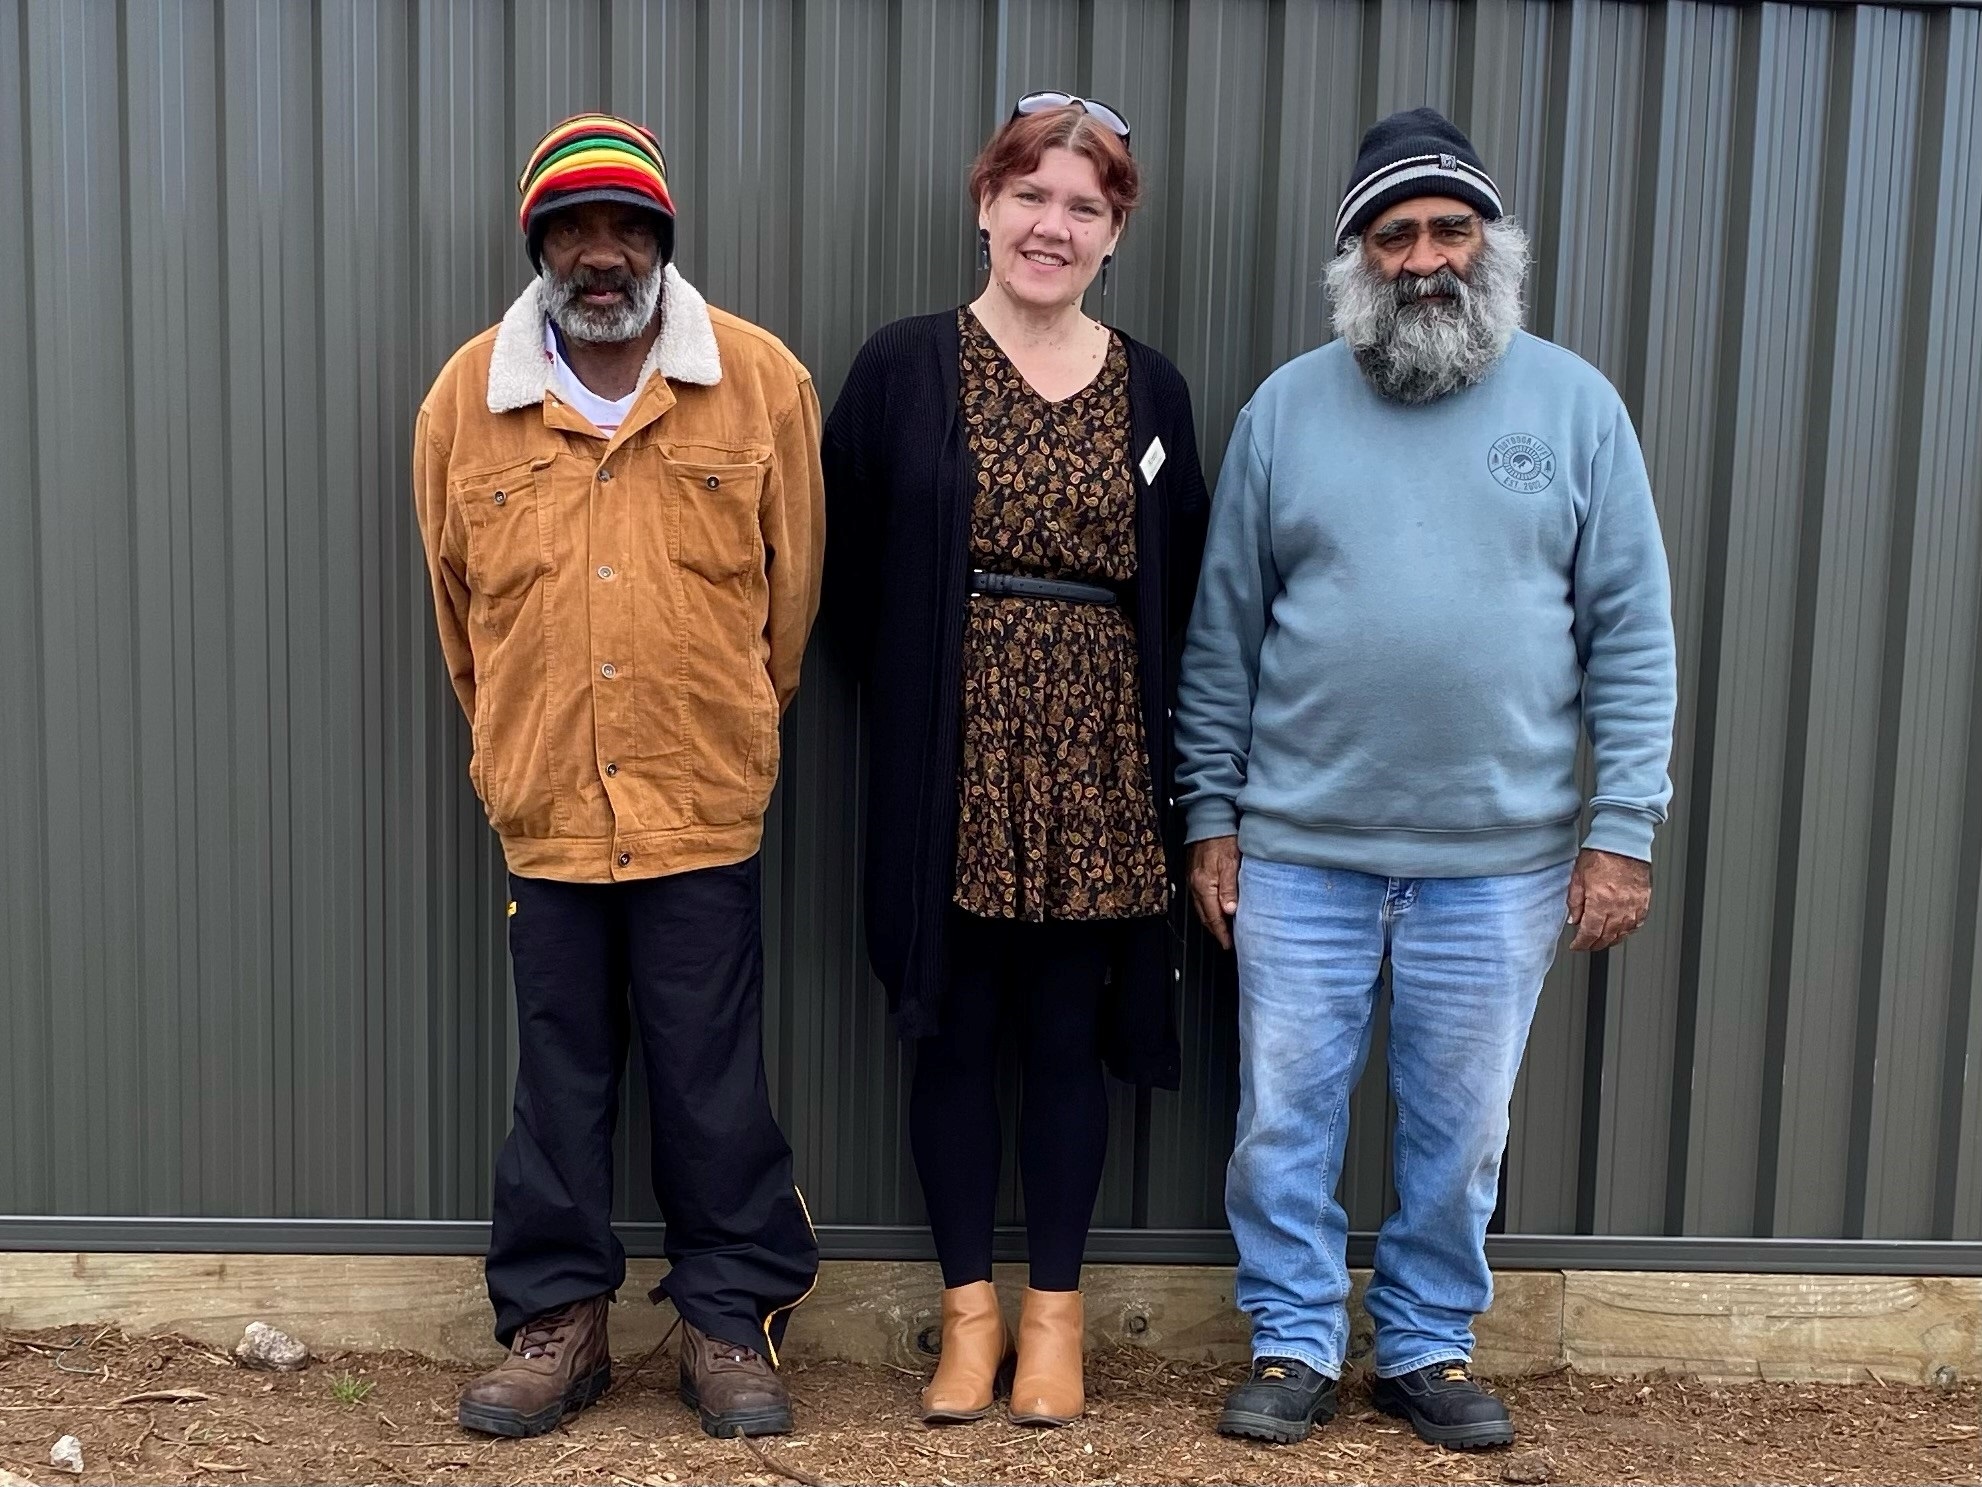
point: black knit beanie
(1418, 152)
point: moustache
(1412, 289)
(590, 281)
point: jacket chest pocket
(507, 514)
(716, 517)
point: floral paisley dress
(1055, 817)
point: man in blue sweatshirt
(1433, 564)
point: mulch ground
(163, 1409)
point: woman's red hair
(1023, 142)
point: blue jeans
(1467, 959)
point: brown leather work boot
(733, 1389)
(558, 1363)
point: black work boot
(732, 1389)
(1283, 1401)
(1445, 1407)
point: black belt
(1011, 585)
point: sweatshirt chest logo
(1521, 462)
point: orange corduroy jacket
(623, 618)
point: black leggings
(1045, 981)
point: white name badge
(1152, 461)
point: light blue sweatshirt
(1408, 614)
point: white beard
(582, 322)
(1417, 350)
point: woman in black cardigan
(1017, 515)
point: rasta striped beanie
(594, 157)
(1419, 152)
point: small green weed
(350, 1389)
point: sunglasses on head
(1039, 103)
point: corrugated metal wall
(249, 931)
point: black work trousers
(1044, 983)
(684, 956)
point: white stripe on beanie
(1414, 168)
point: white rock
(261, 1346)
(67, 1453)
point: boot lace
(1455, 1373)
(728, 1356)
(543, 1336)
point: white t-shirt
(606, 414)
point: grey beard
(581, 322)
(1417, 350)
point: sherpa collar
(520, 373)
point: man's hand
(1609, 896)
(1215, 884)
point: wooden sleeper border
(1852, 1329)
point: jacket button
(611, 770)
(624, 858)
(500, 497)
(605, 475)
(608, 671)
(605, 572)
(712, 482)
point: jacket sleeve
(1624, 641)
(447, 560)
(1221, 655)
(853, 509)
(793, 519)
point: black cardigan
(898, 495)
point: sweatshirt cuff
(1214, 816)
(1619, 829)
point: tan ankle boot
(975, 1345)
(1047, 1387)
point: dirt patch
(390, 1418)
